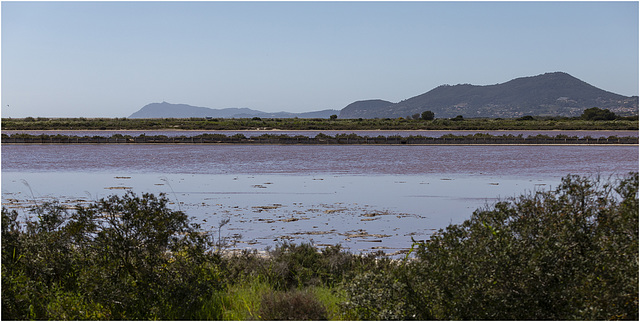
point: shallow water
(360, 212)
(509, 161)
(363, 197)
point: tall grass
(242, 301)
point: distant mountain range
(550, 94)
(168, 110)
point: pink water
(319, 194)
(519, 161)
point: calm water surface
(363, 197)
(509, 161)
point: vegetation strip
(478, 138)
(587, 122)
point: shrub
(293, 305)
(571, 253)
(377, 295)
(126, 257)
(526, 118)
(290, 266)
(293, 265)
(427, 115)
(597, 114)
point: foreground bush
(568, 254)
(124, 257)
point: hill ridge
(552, 94)
(169, 110)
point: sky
(109, 59)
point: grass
(332, 299)
(242, 301)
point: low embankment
(481, 139)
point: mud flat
(361, 213)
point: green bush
(597, 114)
(427, 115)
(567, 254)
(291, 266)
(526, 118)
(123, 257)
(378, 295)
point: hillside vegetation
(570, 253)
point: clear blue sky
(108, 59)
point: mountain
(361, 109)
(550, 94)
(168, 110)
